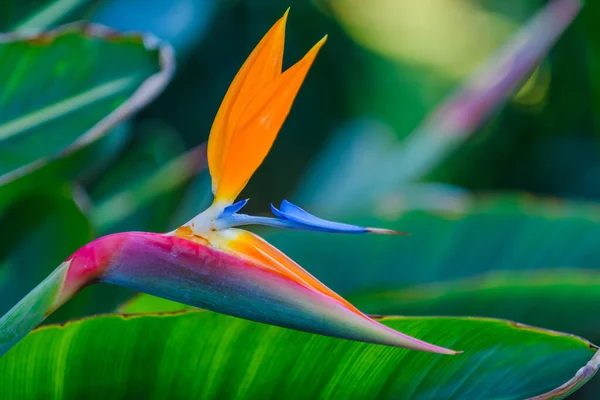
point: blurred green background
(385, 66)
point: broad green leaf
(93, 79)
(143, 303)
(80, 166)
(565, 300)
(198, 354)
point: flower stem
(32, 309)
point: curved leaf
(94, 78)
(198, 354)
(144, 303)
(565, 300)
(80, 166)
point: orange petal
(248, 245)
(261, 67)
(258, 126)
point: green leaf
(143, 303)
(565, 300)
(80, 165)
(198, 354)
(93, 79)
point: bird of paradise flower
(209, 262)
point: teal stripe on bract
(31, 310)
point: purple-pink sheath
(182, 270)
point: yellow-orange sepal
(252, 113)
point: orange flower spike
(249, 119)
(263, 65)
(256, 116)
(209, 262)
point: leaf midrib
(68, 105)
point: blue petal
(228, 221)
(307, 221)
(235, 207)
(289, 216)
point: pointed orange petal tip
(253, 111)
(258, 126)
(262, 66)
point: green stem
(31, 310)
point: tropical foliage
(497, 186)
